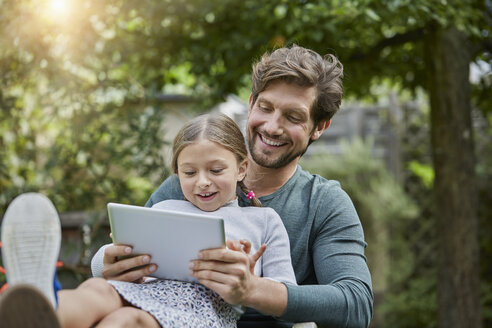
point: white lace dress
(178, 303)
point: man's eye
(265, 109)
(294, 119)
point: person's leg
(128, 317)
(24, 306)
(87, 304)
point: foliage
(422, 239)
(73, 123)
(72, 76)
(375, 39)
(414, 304)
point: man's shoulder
(319, 183)
(169, 189)
(324, 192)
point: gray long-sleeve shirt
(327, 249)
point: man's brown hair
(306, 68)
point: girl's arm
(105, 264)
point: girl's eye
(190, 173)
(217, 171)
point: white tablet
(171, 238)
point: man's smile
(270, 142)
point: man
(295, 93)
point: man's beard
(280, 162)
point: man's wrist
(267, 296)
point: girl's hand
(119, 264)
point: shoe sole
(24, 306)
(31, 236)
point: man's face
(279, 124)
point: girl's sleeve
(276, 261)
(97, 262)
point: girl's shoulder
(253, 212)
(176, 205)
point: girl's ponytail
(253, 201)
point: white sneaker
(31, 237)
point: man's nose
(273, 126)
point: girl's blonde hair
(218, 128)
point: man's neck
(265, 181)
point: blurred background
(92, 93)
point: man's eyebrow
(298, 111)
(263, 99)
(292, 108)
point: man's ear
(318, 130)
(243, 166)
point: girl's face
(208, 174)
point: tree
(448, 58)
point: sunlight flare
(59, 7)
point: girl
(210, 160)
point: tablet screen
(171, 238)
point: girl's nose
(203, 181)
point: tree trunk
(448, 58)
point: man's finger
(234, 245)
(222, 255)
(258, 253)
(216, 276)
(235, 269)
(246, 245)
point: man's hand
(229, 272)
(128, 269)
(244, 245)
